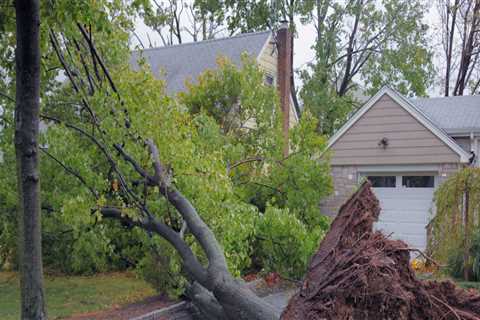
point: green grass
(72, 295)
(468, 284)
(459, 282)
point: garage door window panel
(418, 181)
(382, 181)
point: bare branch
(138, 39)
(239, 163)
(56, 47)
(132, 161)
(72, 172)
(7, 97)
(160, 171)
(97, 56)
(123, 183)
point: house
(406, 148)
(185, 62)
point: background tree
(27, 57)
(366, 42)
(174, 20)
(460, 27)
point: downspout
(473, 150)
(476, 152)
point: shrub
(455, 263)
(457, 222)
(161, 268)
(285, 244)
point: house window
(418, 181)
(382, 181)
(269, 80)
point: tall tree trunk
(468, 47)
(449, 44)
(26, 146)
(466, 235)
(347, 76)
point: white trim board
(412, 110)
(398, 168)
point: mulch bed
(358, 273)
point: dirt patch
(128, 311)
(361, 274)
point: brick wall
(446, 170)
(345, 181)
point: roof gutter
(463, 132)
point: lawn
(73, 295)
(468, 284)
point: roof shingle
(178, 63)
(457, 114)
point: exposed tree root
(361, 274)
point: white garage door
(406, 202)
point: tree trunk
(214, 290)
(26, 147)
(466, 249)
(231, 300)
(347, 76)
(468, 46)
(449, 42)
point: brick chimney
(284, 66)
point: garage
(406, 154)
(407, 203)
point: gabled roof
(417, 113)
(455, 115)
(175, 64)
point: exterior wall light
(383, 143)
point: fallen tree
(359, 273)
(139, 180)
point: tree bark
(469, 44)
(348, 75)
(449, 42)
(26, 147)
(466, 235)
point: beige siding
(268, 60)
(409, 142)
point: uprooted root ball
(361, 274)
